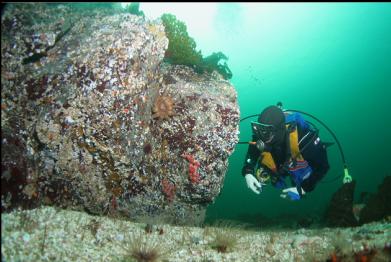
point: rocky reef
(339, 213)
(343, 212)
(379, 204)
(94, 120)
(54, 234)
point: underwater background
(331, 60)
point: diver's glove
(253, 183)
(291, 193)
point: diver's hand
(291, 193)
(253, 183)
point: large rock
(339, 212)
(379, 204)
(92, 119)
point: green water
(331, 60)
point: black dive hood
(270, 129)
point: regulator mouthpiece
(260, 145)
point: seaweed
(134, 9)
(182, 50)
(212, 62)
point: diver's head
(270, 128)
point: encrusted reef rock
(93, 119)
(340, 210)
(379, 205)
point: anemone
(225, 237)
(143, 249)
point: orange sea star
(163, 107)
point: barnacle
(163, 107)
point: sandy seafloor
(53, 234)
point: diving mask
(265, 133)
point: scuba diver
(285, 145)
